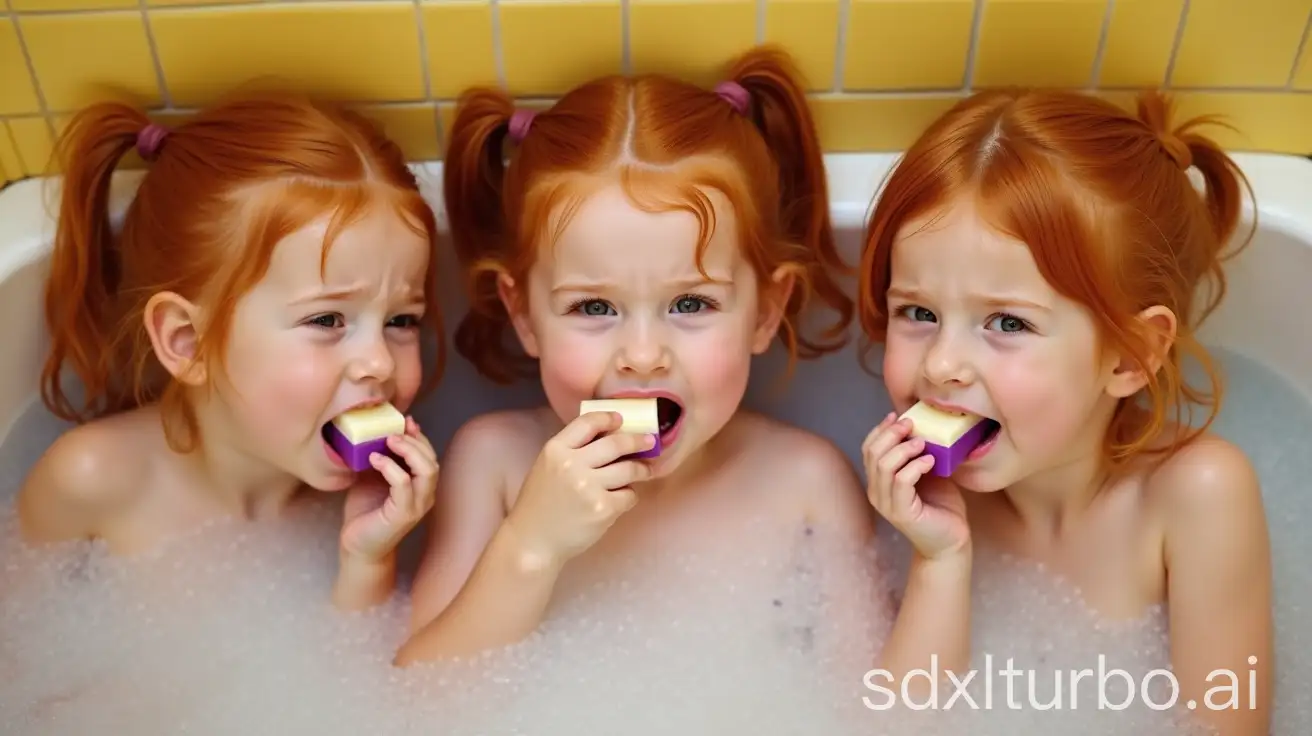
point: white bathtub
(1263, 319)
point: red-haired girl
(273, 271)
(1034, 260)
(647, 238)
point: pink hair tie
(150, 139)
(736, 95)
(520, 122)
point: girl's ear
(513, 299)
(171, 321)
(1157, 325)
(774, 303)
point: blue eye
(918, 314)
(592, 308)
(1010, 323)
(692, 304)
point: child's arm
(471, 575)
(576, 489)
(380, 510)
(1219, 585)
(932, 628)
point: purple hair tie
(150, 139)
(520, 122)
(735, 94)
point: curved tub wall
(1262, 316)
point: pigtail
(472, 179)
(80, 303)
(1224, 184)
(781, 112)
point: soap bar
(356, 434)
(948, 436)
(640, 417)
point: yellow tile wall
(879, 70)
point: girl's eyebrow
(682, 283)
(994, 301)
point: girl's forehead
(609, 234)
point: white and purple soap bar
(640, 417)
(356, 434)
(949, 436)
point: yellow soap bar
(370, 423)
(640, 416)
(937, 426)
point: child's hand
(378, 515)
(933, 517)
(576, 488)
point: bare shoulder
(809, 469)
(1209, 486)
(493, 448)
(90, 475)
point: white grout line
(840, 53)
(424, 72)
(760, 21)
(154, 58)
(498, 52)
(626, 52)
(1175, 44)
(42, 107)
(1101, 52)
(972, 51)
(1302, 49)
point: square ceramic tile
(1038, 43)
(17, 95)
(412, 127)
(1275, 121)
(1240, 44)
(35, 146)
(1140, 37)
(689, 39)
(808, 29)
(907, 44)
(374, 46)
(551, 47)
(460, 50)
(11, 166)
(82, 58)
(877, 124)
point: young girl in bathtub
(1034, 260)
(273, 271)
(647, 238)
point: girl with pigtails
(1042, 261)
(273, 271)
(643, 237)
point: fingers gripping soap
(640, 417)
(948, 436)
(356, 434)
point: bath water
(229, 629)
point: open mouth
(668, 413)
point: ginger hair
(223, 189)
(665, 142)
(1104, 200)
